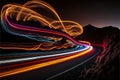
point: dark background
(99, 13)
(94, 12)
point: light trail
(67, 29)
(48, 36)
(40, 57)
(41, 65)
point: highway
(49, 71)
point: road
(50, 71)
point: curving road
(12, 66)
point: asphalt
(50, 72)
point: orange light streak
(41, 65)
(26, 12)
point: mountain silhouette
(106, 65)
(96, 35)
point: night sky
(99, 13)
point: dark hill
(97, 35)
(107, 64)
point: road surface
(51, 71)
